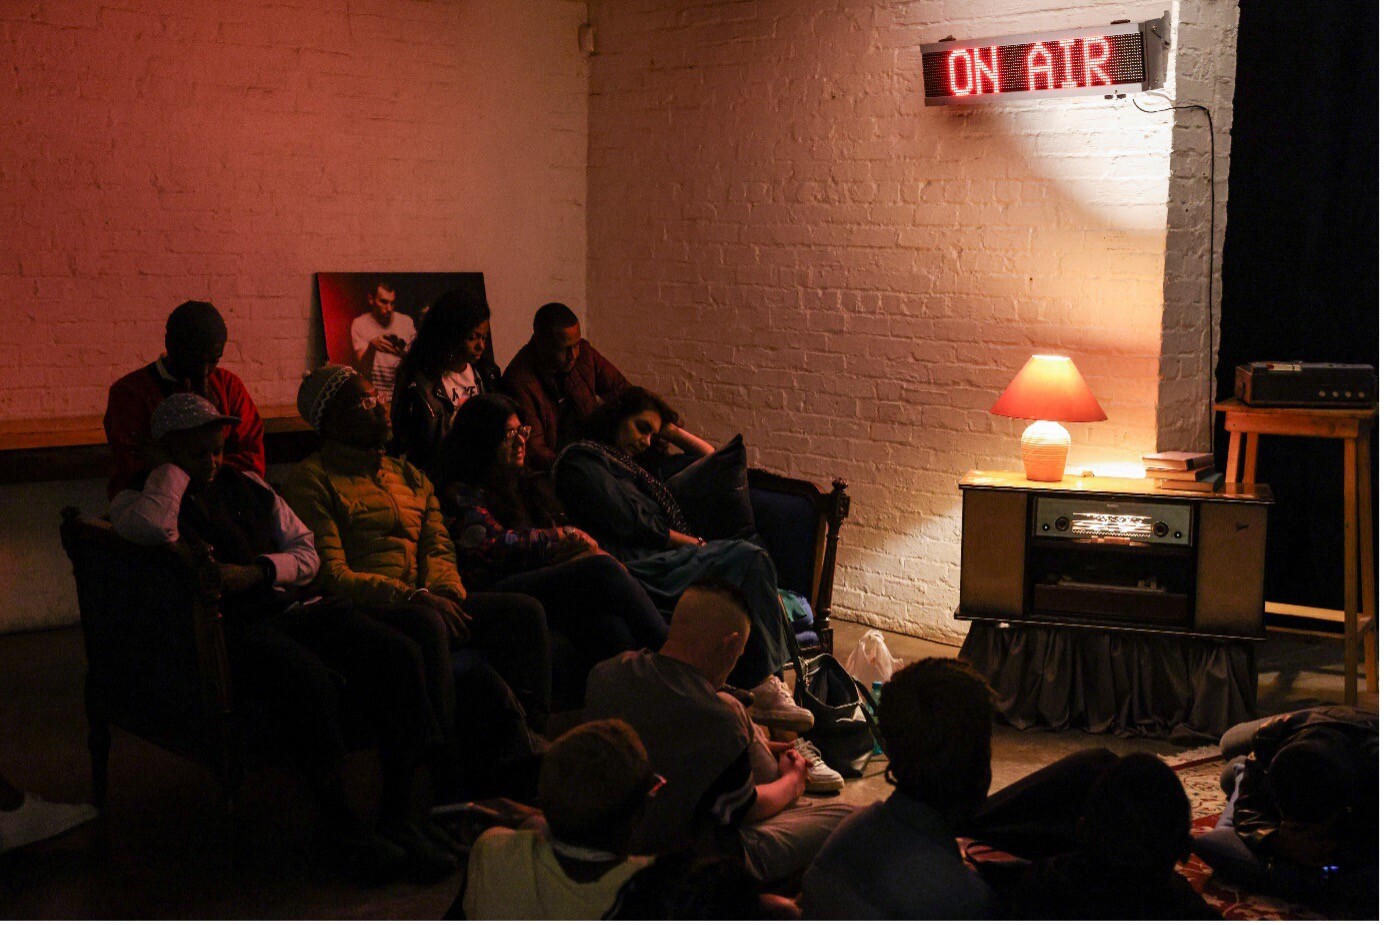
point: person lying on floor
(720, 796)
(506, 527)
(286, 649)
(936, 719)
(595, 782)
(1134, 828)
(1302, 820)
(378, 528)
(635, 518)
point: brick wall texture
(161, 150)
(787, 243)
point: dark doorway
(1301, 270)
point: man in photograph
(380, 338)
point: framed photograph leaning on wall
(369, 319)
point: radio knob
(1062, 523)
(1160, 529)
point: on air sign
(1105, 59)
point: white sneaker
(774, 707)
(36, 820)
(820, 778)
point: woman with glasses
(511, 535)
(449, 363)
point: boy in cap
(285, 649)
(592, 789)
(194, 339)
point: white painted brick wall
(787, 243)
(161, 150)
(1204, 45)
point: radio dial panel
(1072, 517)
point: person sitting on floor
(1302, 819)
(384, 547)
(935, 717)
(558, 379)
(26, 818)
(449, 362)
(704, 743)
(287, 650)
(595, 782)
(194, 339)
(1134, 829)
(505, 524)
(635, 518)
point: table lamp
(1047, 390)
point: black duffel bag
(843, 727)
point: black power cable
(1210, 263)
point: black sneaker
(426, 862)
(365, 857)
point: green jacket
(377, 526)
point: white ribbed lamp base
(1045, 445)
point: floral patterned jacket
(487, 551)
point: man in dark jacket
(1302, 819)
(558, 379)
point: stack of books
(1179, 471)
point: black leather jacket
(422, 415)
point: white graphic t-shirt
(385, 365)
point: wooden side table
(1353, 427)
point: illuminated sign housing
(1123, 58)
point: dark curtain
(1301, 250)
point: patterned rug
(1200, 773)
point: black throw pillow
(714, 493)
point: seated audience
(935, 718)
(703, 742)
(286, 650)
(1134, 829)
(693, 888)
(449, 362)
(194, 339)
(558, 379)
(378, 528)
(26, 818)
(380, 337)
(635, 518)
(505, 524)
(1302, 819)
(592, 789)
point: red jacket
(592, 380)
(131, 404)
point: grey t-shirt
(694, 738)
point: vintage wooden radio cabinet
(1118, 554)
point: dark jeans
(1036, 817)
(316, 667)
(595, 603)
(509, 629)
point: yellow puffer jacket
(377, 526)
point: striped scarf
(646, 481)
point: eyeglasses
(522, 433)
(658, 783)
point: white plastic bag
(870, 660)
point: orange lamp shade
(1049, 388)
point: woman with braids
(449, 362)
(636, 519)
(510, 535)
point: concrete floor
(161, 849)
